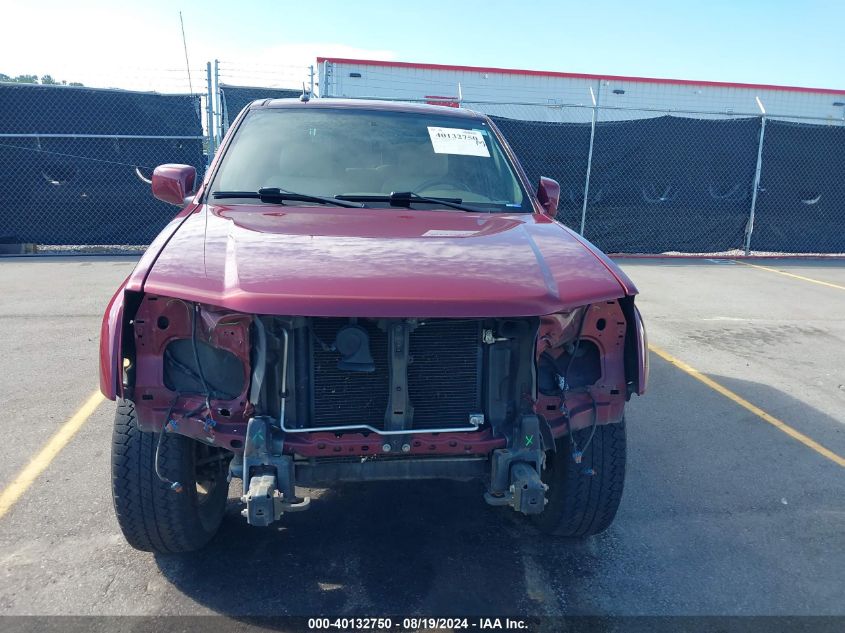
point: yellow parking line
(793, 275)
(778, 424)
(39, 463)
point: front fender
(642, 353)
(111, 337)
(636, 348)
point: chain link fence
(652, 181)
(75, 165)
(76, 162)
(236, 86)
(801, 195)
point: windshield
(336, 152)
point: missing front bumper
(270, 477)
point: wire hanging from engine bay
(565, 388)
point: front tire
(152, 516)
(582, 504)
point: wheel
(583, 504)
(152, 516)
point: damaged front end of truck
(287, 401)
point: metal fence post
(589, 159)
(209, 111)
(749, 228)
(218, 110)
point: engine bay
(314, 400)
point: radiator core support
(400, 411)
(464, 374)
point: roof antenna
(305, 97)
(185, 46)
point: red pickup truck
(361, 290)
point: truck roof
(368, 104)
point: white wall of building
(562, 97)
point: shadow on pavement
(382, 548)
(702, 530)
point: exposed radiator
(347, 397)
(444, 376)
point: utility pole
(218, 109)
(590, 156)
(185, 47)
(209, 111)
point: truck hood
(328, 261)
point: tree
(46, 80)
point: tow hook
(525, 492)
(528, 492)
(265, 503)
(268, 475)
(515, 476)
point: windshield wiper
(274, 194)
(407, 198)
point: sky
(139, 44)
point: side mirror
(174, 183)
(548, 193)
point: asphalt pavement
(724, 512)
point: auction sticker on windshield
(450, 140)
